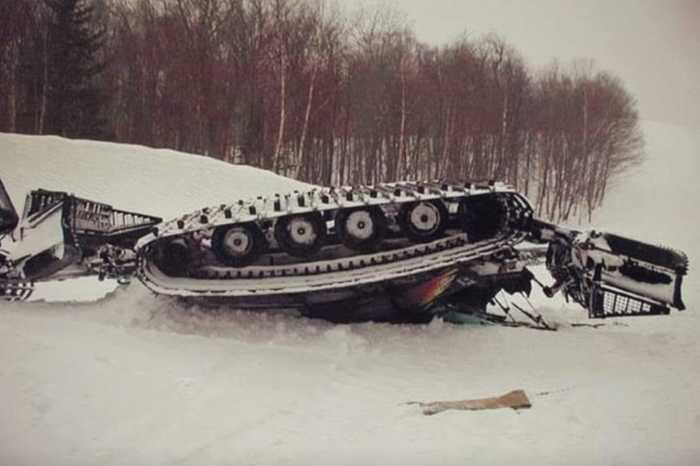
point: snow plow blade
(614, 276)
(651, 272)
(651, 254)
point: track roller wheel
(423, 221)
(238, 245)
(482, 216)
(174, 258)
(301, 235)
(361, 229)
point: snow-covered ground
(140, 380)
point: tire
(423, 222)
(482, 217)
(361, 229)
(238, 245)
(301, 235)
(174, 258)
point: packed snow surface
(142, 380)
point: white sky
(653, 45)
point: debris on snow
(516, 399)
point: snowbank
(159, 182)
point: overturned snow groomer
(398, 251)
(394, 252)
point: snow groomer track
(328, 275)
(342, 237)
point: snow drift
(158, 182)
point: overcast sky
(653, 45)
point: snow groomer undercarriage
(391, 252)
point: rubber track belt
(433, 257)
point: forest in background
(315, 92)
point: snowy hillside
(140, 380)
(157, 182)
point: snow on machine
(402, 251)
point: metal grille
(608, 302)
(88, 217)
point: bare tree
(304, 89)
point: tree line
(312, 91)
